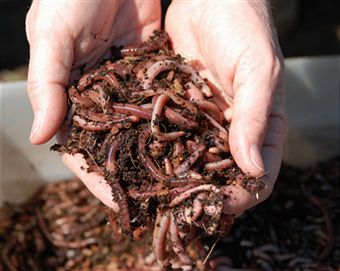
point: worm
(159, 235)
(215, 123)
(178, 246)
(211, 109)
(169, 170)
(144, 157)
(121, 69)
(179, 119)
(193, 93)
(188, 193)
(132, 110)
(151, 192)
(219, 165)
(111, 159)
(165, 65)
(190, 160)
(156, 113)
(120, 197)
(197, 206)
(149, 46)
(76, 98)
(101, 126)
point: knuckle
(33, 89)
(277, 67)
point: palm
(229, 51)
(106, 25)
(65, 36)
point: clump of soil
(148, 123)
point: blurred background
(294, 230)
(305, 28)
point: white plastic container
(312, 104)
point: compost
(148, 122)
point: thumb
(254, 91)
(49, 68)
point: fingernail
(36, 123)
(255, 156)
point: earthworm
(156, 113)
(109, 77)
(159, 235)
(190, 160)
(146, 47)
(177, 149)
(215, 123)
(144, 157)
(165, 65)
(87, 79)
(179, 119)
(94, 116)
(169, 170)
(193, 93)
(122, 70)
(188, 193)
(132, 110)
(191, 174)
(101, 126)
(114, 225)
(173, 193)
(111, 158)
(76, 98)
(197, 206)
(120, 197)
(178, 100)
(61, 243)
(102, 97)
(92, 95)
(151, 192)
(178, 246)
(143, 66)
(214, 150)
(211, 157)
(147, 106)
(98, 75)
(91, 125)
(219, 165)
(211, 109)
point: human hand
(65, 36)
(237, 50)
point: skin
(232, 43)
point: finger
(49, 68)
(272, 150)
(254, 88)
(239, 199)
(94, 182)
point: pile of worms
(148, 122)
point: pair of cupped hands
(233, 41)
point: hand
(237, 50)
(66, 35)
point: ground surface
(295, 229)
